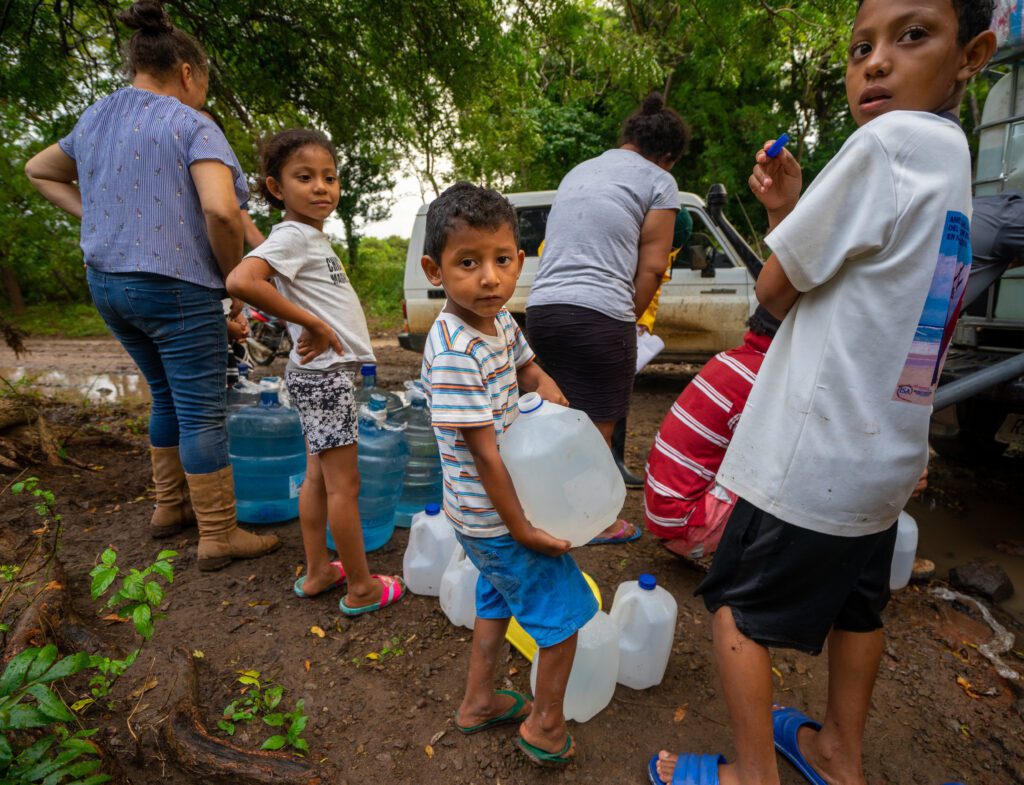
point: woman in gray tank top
(607, 244)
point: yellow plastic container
(520, 638)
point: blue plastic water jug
(369, 387)
(423, 484)
(268, 453)
(381, 457)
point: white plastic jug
(563, 470)
(458, 589)
(592, 679)
(905, 553)
(431, 545)
(646, 615)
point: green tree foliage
(511, 93)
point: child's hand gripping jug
(594, 669)
(646, 615)
(431, 545)
(458, 589)
(563, 470)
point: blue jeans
(176, 333)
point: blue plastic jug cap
(368, 370)
(648, 581)
(433, 509)
(378, 402)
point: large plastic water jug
(563, 471)
(458, 589)
(594, 670)
(905, 553)
(268, 454)
(431, 545)
(424, 482)
(381, 457)
(369, 387)
(646, 615)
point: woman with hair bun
(608, 239)
(158, 191)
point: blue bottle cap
(432, 509)
(777, 145)
(648, 581)
(378, 402)
(368, 370)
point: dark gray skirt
(591, 357)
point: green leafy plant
(27, 702)
(138, 597)
(46, 501)
(260, 701)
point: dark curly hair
(276, 150)
(157, 46)
(659, 133)
(974, 17)
(480, 208)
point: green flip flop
(545, 758)
(512, 714)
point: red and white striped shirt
(694, 435)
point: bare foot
(552, 740)
(829, 769)
(620, 530)
(359, 596)
(467, 716)
(666, 767)
(323, 580)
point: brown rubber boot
(173, 510)
(220, 539)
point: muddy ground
(372, 720)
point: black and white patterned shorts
(326, 404)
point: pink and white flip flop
(336, 585)
(392, 590)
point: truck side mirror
(717, 199)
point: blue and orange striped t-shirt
(470, 379)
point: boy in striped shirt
(474, 363)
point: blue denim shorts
(548, 596)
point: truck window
(533, 222)
(1001, 141)
(702, 249)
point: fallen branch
(1000, 644)
(205, 757)
(49, 615)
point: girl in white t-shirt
(311, 291)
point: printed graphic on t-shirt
(338, 277)
(941, 310)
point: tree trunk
(12, 289)
(351, 241)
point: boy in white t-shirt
(474, 363)
(867, 271)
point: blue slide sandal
(690, 770)
(786, 723)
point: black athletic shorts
(788, 586)
(591, 357)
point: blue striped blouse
(140, 209)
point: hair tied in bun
(147, 16)
(653, 104)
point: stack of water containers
(369, 387)
(381, 457)
(423, 484)
(268, 455)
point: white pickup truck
(703, 309)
